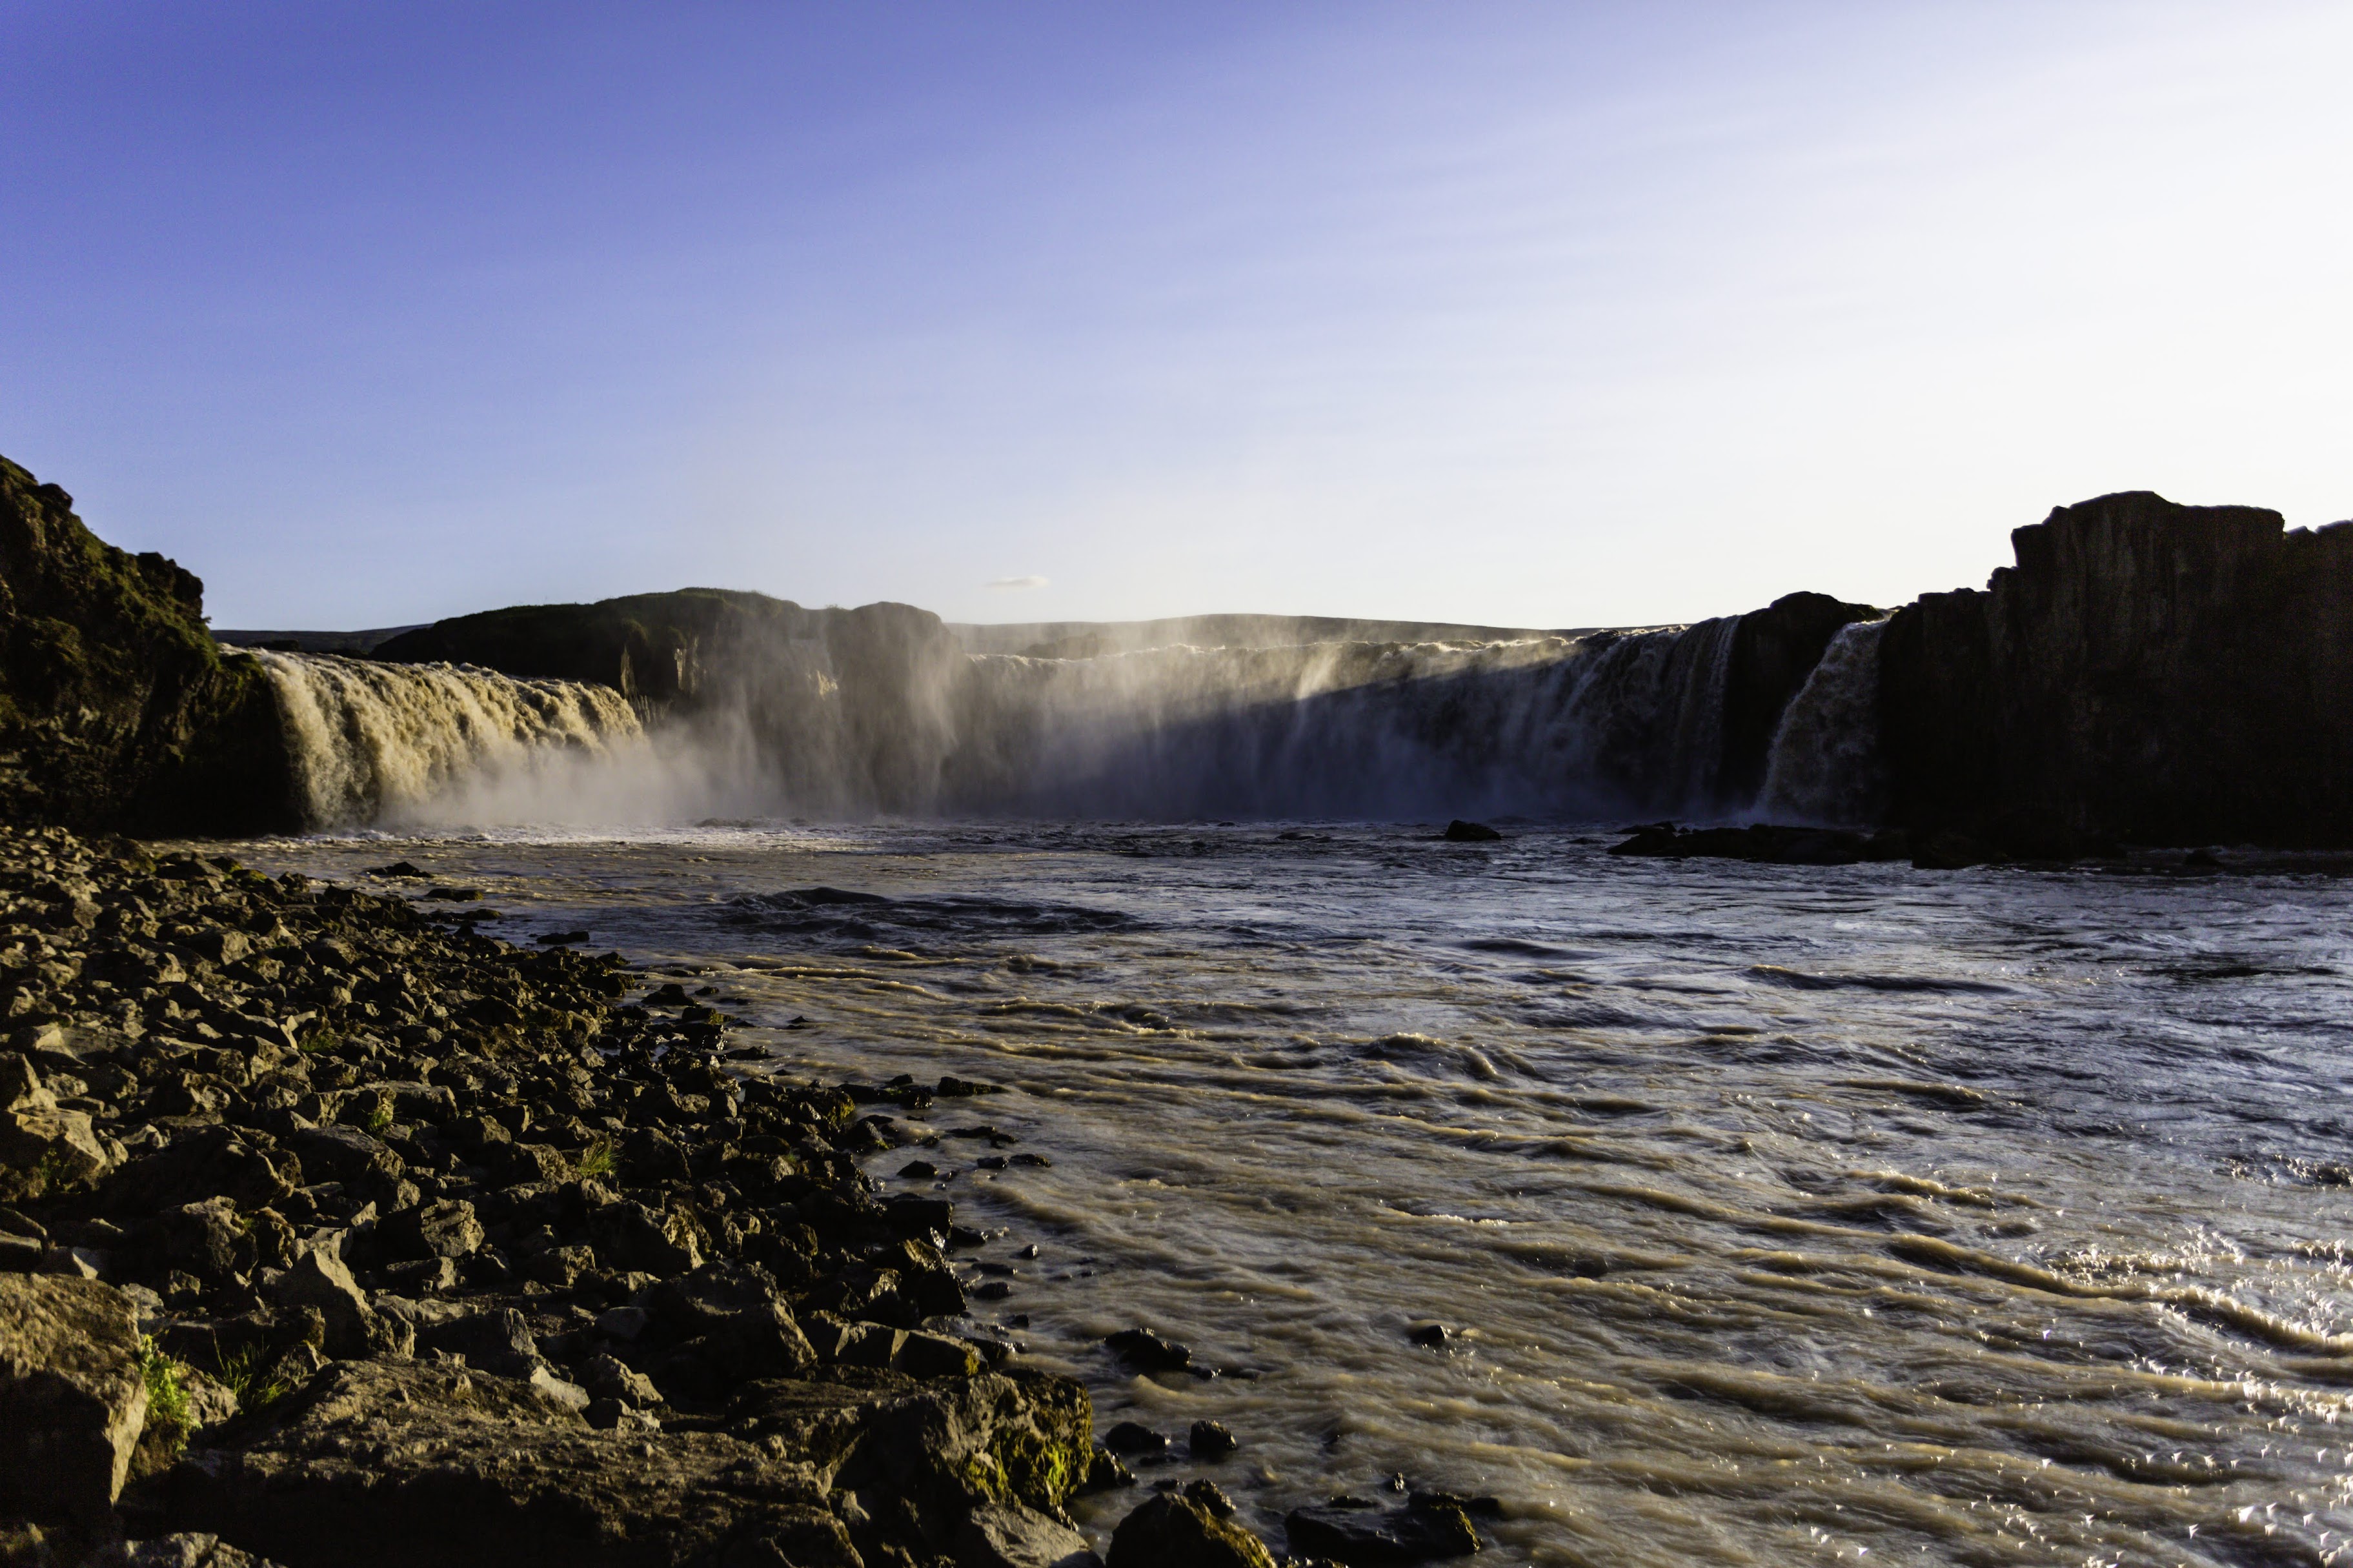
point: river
(1777, 1215)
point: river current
(1777, 1215)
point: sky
(1544, 314)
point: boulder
(998, 1440)
(319, 1278)
(445, 1228)
(72, 1397)
(1020, 1537)
(1363, 1536)
(497, 1341)
(1195, 1529)
(385, 1464)
(345, 1155)
(42, 1146)
(632, 1236)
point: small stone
(1430, 1336)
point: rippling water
(1786, 1214)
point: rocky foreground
(333, 1233)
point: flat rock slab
(71, 1397)
(393, 1464)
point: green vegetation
(169, 1418)
(254, 1381)
(598, 1160)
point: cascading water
(1542, 726)
(376, 742)
(1824, 766)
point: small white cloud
(1016, 581)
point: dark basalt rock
(1148, 1352)
(73, 1401)
(1461, 832)
(382, 1463)
(1765, 842)
(1134, 1437)
(1361, 1535)
(117, 708)
(1210, 1440)
(1192, 1529)
(2146, 671)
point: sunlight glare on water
(1777, 1214)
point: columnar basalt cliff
(117, 708)
(2146, 672)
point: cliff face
(117, 709)
(2146, 672)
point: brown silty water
(1777, 1215)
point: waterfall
(384, 742)
(1824, 767)
(1605, 725)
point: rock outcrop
(2146, 672)
(117, 708)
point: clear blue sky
(1540, 314)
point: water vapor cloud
(1016, 581)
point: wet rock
(1134, 1437)
(1148, 1352)
(1193, 1529)
(72, 1398)
(1210, 1440)
(1461, 832)
(1106, 1471)
(1363, 1536)
(1430, 1336)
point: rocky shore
(333, 1232)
